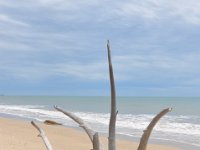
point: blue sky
(58, 47)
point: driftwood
(43, 136)
(94, 137)
(78, 120)
(51, 122)
(96, 143)
(91, 133)
(147, 132)
(113, 114)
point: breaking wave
(179, 128)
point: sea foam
(179, 128)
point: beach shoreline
(21, 135)
(176, 129)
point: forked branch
(78, 120)
(148, 130)
(43, 136)
(91, 133)
(113, 114)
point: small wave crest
(174, 127)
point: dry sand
(21, 135)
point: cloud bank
(154, 44)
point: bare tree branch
(113, 114)
(96, 143)
(148, 130)
(43, 136)
(78, 120)
(91, 133)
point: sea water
(181, 126)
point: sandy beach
(21, 135)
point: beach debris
(96, 142)
(51, 122)
(147, 132)
(91, 133)
(43, 136)
(78, 120)
(113, 113)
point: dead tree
(91, 133)
(94, 137)
(113, 113)
(147, 132)
(43, 136)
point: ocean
(181, 127)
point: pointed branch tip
(43, 136)
(170, 109)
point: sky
(58, 47)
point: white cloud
(126, 11)
(187, 10)
(92, 71)
(130, 68)
(41, 71)
(58, 38)
(131, 9)
(157, 67)
(8, 20)
(156, 10)
(6, 46)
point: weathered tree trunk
(96, 143)
(91, 134)
(113, 114)
(148, 130)
(43, 136)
